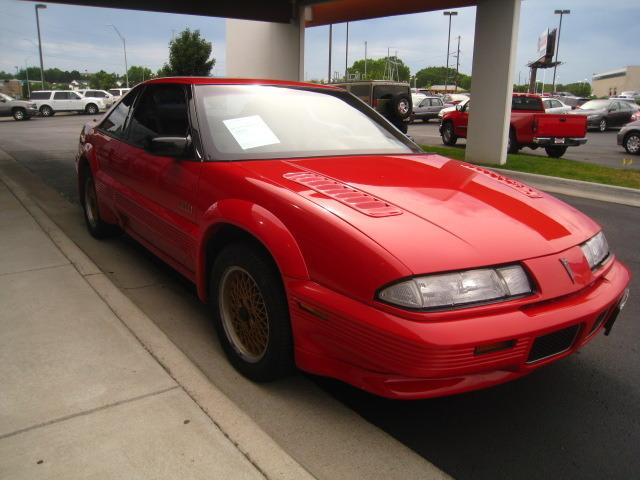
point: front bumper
(559, 141)
(394, 357)
(31, 112)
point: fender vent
(352, 197)
(521, 187)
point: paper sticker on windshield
(251, 132)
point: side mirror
(170, 146)
(459, 107)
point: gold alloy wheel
(244, 314)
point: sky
(597, 36)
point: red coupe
(323, 238)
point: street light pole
(561, 13)
(446, 81)
(124, 47)
(330, 45)
(457, 64)
(346, 57)
(38, 7)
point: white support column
(266, 49)
(494, 53)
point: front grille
(553, 343)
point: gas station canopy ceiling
(323, 12)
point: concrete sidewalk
(81, 397)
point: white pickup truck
(51, 101)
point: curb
(255, 444)
(576, 188)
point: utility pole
(457, 63)
(446, 81)
(561, 13)
(330, 42)
(26, 72)
(38, 7)
(346, 56)
(124, 47)
(365, 60)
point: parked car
(553, 105)
(348, 253)
(391, 99)
(49, 102)
(629, 137)
(455, 98)
(529, 126)
(18, 109)
(427, 108)
(108, 98)
(602, 114)
(118, 92)
(574, 102)
(452, 108)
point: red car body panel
(529, 125)
(439, 215)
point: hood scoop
(352, 197)
(521, 187)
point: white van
(51, 101)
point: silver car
(18, 109)
(428, 108)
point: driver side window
(161, 112)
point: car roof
(237, 81)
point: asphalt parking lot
(601, 147)
(577, 419)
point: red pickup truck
(529, 126)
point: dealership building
(615, 82)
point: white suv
(103, 94)
(51, 101)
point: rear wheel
(19, 114)
(631, 143)
(555, 152)
(400, 106)
(251, 313)
(512, 145)
(46, 111)
(602, 126)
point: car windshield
(595, 105)
(245, 122)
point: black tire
(603, 125)
(631, 143)
(512, 145)
(46, 111)
(262, 359)
(19, 114)
(400, 106)
(89, 200)
(91, 109)
(447, 134)
(555, 152)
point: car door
(61, 101)
(5, 105)
(162, 189)
(75, 101)
(626, 110)
(435, 105)
(421, 110)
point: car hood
(433, 213)
(578, 111)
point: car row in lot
(348, 253)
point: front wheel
(19, 114)
(46, 111)
(512, 145)
(555, 152)
(251, 313)
(448, 135)
(602, 126)
(96, 226)
(631, 143)
(91, 109)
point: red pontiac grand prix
(323, 238)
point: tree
(139, 74)
(188, 55)
(438, 76)
(376, 68)
(103, 80)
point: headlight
(596, 249)
(459, 288)
(592, 117)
